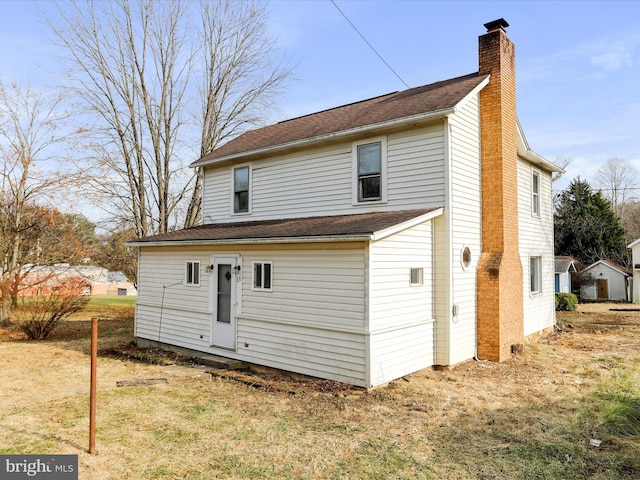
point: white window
(262, 275)
(192, 273)
(369, 167)
(535, 274)
(417, 276)
(241, 192)
(535, 193)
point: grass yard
(532, 417)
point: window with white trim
(535, 193)
(417, 276)
(241, 193)
(262, 275)
(192, 273)
(535, 274)
(369, 166)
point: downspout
(447, 308)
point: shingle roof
(327, 226)
(563, 264)
(393, 106)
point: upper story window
(535, 193)
(241, 183)
(370, 164)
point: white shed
(609, 282)
(564, 267)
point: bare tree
(563, 163)
(140, 67)
(617, 179)
(30, 131)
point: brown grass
(530, 417)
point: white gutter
(525, 152)
(253, 241)
(328, 137)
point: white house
(609, 282)
(368, 241)
(635, 276)
(564, 267)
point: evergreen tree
(586, 226)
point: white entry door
(226, 274)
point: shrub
(38, 315)
(566, 302)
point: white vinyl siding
(459, 228)
(313, 323)
(320, 181)
(167, 310)
(536, 240)
(401, 319)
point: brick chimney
(500, 284)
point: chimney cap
(501, 23)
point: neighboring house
(100, 281)
(368, 241)
(608, 281)
(635, 263)
(564, 267)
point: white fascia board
(525, 152)
(633, 244)
(307, 142)
(471, 94)
(252, 241)
(386, 232)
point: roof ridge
(432, 84)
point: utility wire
(370, 46)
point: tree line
(149, 86)
(597, 223)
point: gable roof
(610, 264)
(564, 264)
(363, 226)
(427, 101)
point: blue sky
(578, 62)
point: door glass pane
(224, 293)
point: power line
(369, 44)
